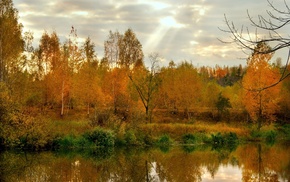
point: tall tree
(131, 54)
(75, 60)
(261, 103)
(147, 83)
(88, 51)
(112, 49)
(49, 49)
(11, 42)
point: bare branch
(247, 42)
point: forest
(60, 90)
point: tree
(87, 86)
(49, 49)
(115, 85)
(11, 42)
(261, 103)
(147, 83)
(222, 105)
(131, 54)
(182, 87)
(74, 52)
(112, 48)
(88, 51)
(267, 31)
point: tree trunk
(88, 109)
(62, 99)
(260, 114)
(147, 114)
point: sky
(177, 30)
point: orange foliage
(260, 102)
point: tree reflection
(255, 161)
(262, 163)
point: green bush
(270, 136)
(217, 139)
(66, 142)
(130, 138)
(148, 139)
(255, 134)
(164, 140)
(188, 139)
(101, 137)
(231, 138)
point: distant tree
(131, 54)
(181, 87)
(211, 92)
(49, 49)
(11, 41)
(261, 103)
(75, 61)
(112, 49)
(222, 105)
(88, 51)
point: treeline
(68, 77)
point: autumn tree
(147, 82)
(115, 85)
(261, 103)
(285, 98)
(88, 51)
(11, 42)
(112, 48)
(183, 87)
(166, 90)
(87, 81)
(130, 50)
(74, 51)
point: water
(250, 162)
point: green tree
(11, 42)
(130, 50)
(88, 51)
(222, 105)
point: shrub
(101, 137)
(66, 142)
(130, 138)
(231, 138)
(164, 140)
(270, 137)
(188, 139)
(148, 139)
(217, 139)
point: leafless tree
(267, 29)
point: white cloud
(178, 30)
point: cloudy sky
(176, 29)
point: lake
(247, 162)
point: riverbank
(51, 134)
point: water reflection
(251, 162)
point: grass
(80, 133)
(69, 127)
(179, 129)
